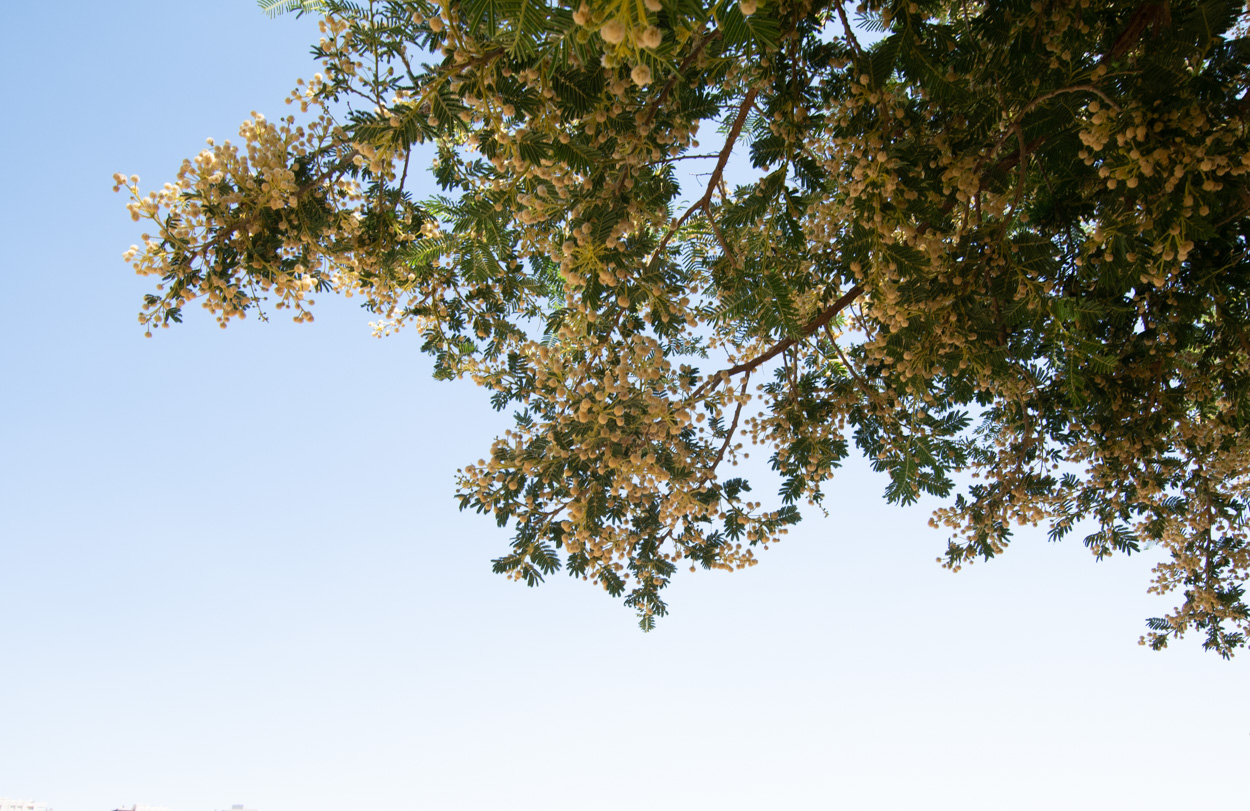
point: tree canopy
(999, 247)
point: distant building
(22, 805)
(142, 808)
(240, 808)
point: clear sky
(232, 570)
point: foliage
(1004, 242)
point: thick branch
(1153, 15)
(849, 32)
(822, 318)
(811, 326)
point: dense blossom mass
(1001, 242)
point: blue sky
(233, 570)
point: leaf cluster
(1001, 250)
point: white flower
(582, 15)
(651, 37)
(747, 7)
(641, 74)
(613, 32)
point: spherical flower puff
(582, 15)
(747, 7)
(652, 5)
(651, 37)
(641, 74)
(613, 32)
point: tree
(1004, 242)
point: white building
(22, 805)
(240, 808)
(142, 808)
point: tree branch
(733, 429)
(743, 109)
(849, 32)
(822, 318)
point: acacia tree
(1003, 240)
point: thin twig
(1014, 124)
(404, 176)
(672, 80)
(870, 392)
(724, 246)
(706, 199)
(689, 157)
(733, 429)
